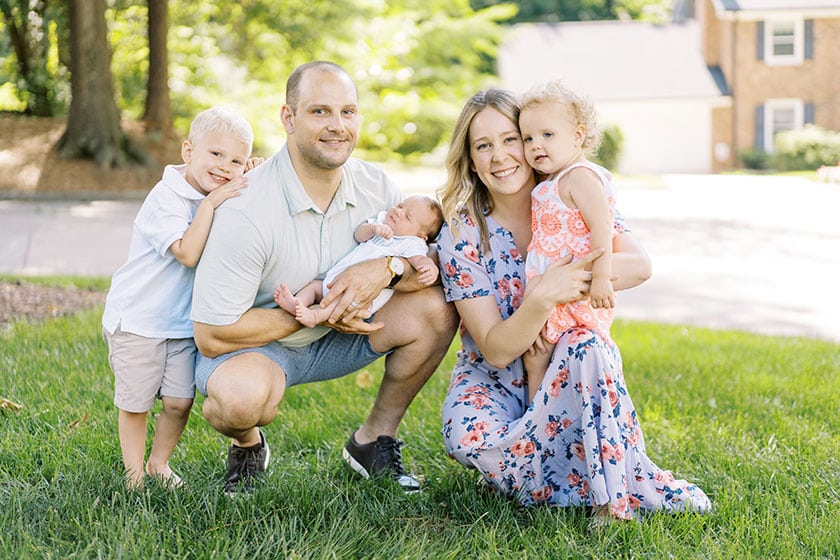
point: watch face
(397, 266)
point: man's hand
(355, 326)
(354, 289)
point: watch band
(395, 278)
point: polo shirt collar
(299, 201)
(174, 176)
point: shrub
(807, 148)
(609, 152)
(754, 158)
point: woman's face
(497, 154)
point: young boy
(146, 322)
(402, 231)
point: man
(293, 223)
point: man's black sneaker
(245, 465)
(379, 458)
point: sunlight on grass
(751, 419)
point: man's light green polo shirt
(273, 234)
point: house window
(781, 115)
(784, 42)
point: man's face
(324, 128)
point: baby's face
(413, 216)
(213, 160)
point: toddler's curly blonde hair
(581, 109)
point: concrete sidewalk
(760, 254)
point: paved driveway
(754, 253)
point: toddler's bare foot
(285, 299)
(166, 476)
(134, 481)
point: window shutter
(809, 39)
(759, 127)
(759, 29)
(808, 116)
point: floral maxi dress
(579, 442)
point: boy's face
(213, 160)
(413, 216)
(552, 138)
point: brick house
(690, 95)
(779, 62)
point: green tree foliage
(415, 61)
(584, 10)
(33, 32)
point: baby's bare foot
(285, 299)
(305, 316)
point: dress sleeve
(619, 225)
(463, 269)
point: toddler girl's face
(413, 216)
(213, 160)
(552, 138)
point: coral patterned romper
(559, 231)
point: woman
(578, 442)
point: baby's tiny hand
(383, 231)
(427, 272)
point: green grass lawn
(753, 420)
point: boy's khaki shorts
(148, 368)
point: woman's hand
(564, 282)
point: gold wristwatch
(396, 268)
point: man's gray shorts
(331, 356)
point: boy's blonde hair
(581, 109)
(221, 120)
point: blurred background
(700, 86)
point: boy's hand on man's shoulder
(252, 163)
(226, 191)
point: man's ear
(287, 115)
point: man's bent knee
(244, 392)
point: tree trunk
(93, 124)
(158, 115)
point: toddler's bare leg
(536, 363)
(132, 430)
(170, 426)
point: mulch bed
(22, 300)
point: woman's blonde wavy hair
(464, 194)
